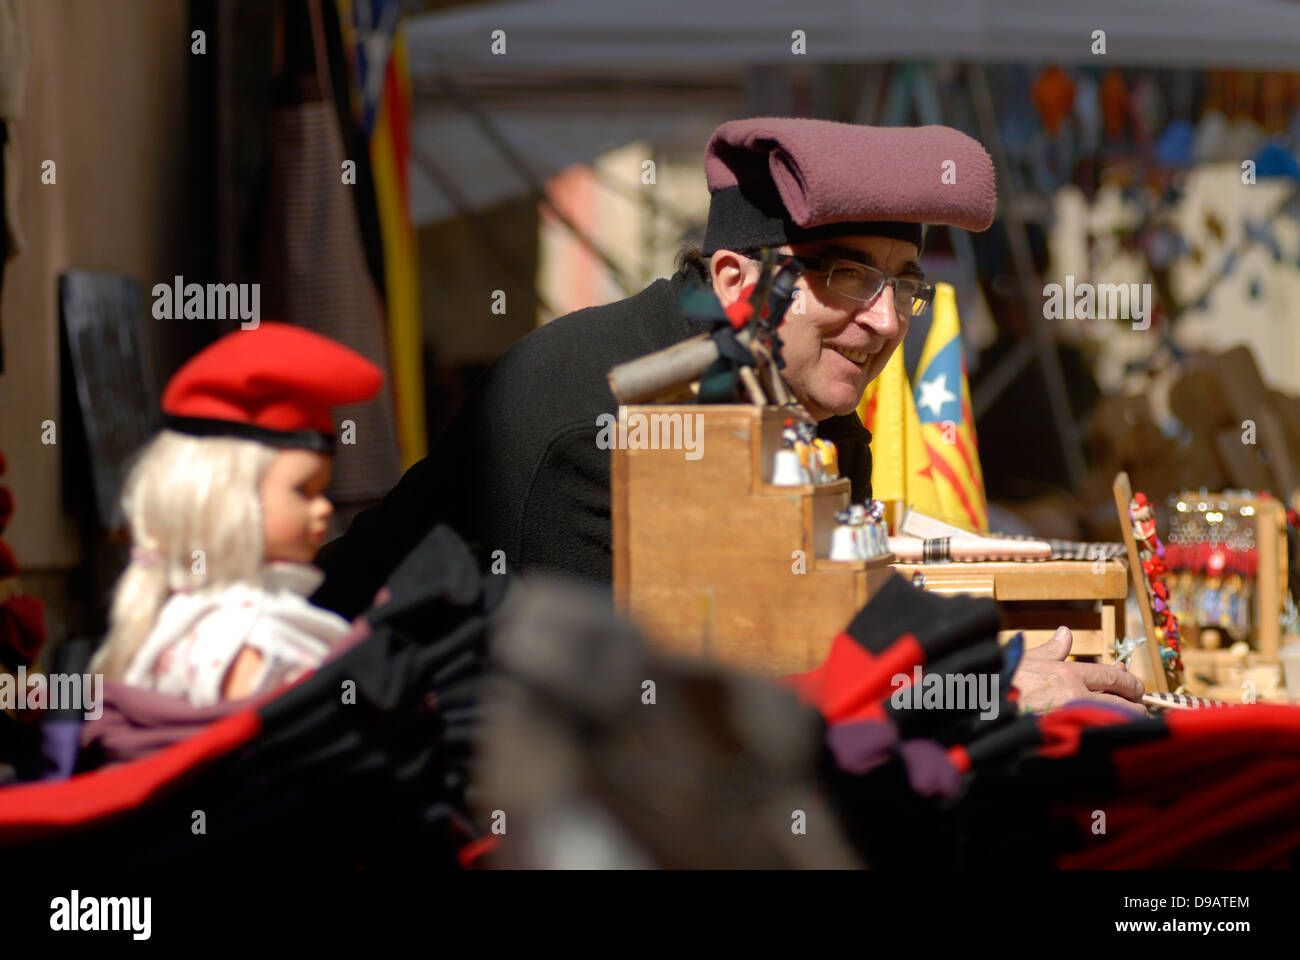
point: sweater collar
(297, 578)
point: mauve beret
(824, 173)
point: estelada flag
(942, 397)
(923, 450)
(900, 463)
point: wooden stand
(1155, 665)
(712, 560)
(1036, 597)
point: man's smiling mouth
(857, 356)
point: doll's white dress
(199, 633)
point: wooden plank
(1270, 578)
(1085, 643)
(618, 517)
(1123, 495)
(974, 585)
(1038, 580)
(1112, 619)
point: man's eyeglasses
(857, 281)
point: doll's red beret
(275, 384)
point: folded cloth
(827, 172)
(136, 722)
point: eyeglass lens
(861, 282)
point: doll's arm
(244, 672)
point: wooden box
(1038, 597)
(712, 560)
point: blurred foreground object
(604, 755)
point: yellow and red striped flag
(923, 447)
(384, 86)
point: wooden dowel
(755, 390)
(648, 376)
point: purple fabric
(861, 747)
(929, 771)
(59, 745)
(827, 172)
(137, 722)
(864, 746)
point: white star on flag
(935, 393)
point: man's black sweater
(518, 469)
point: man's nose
(880, 314)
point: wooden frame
(1034, 597)
(1123, 497)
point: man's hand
(1046, 680)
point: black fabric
(940, 624)
(376, 779)
(289, 439)
(751, 215)
(518, 469)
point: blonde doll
(226, 509)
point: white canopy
(716, 36)
(550, 97)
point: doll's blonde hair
(184, 494)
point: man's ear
(731, 273)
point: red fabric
(1205, 738)
(475, 849)
(959, 758)
(852, 684)
(1053, 94)
(1217, 823)
(275, 376)
(1062, 729)
(1168, 811)
(740, 312)
(116, 790)
(22, 626)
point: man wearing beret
(519, 469)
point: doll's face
(295, 512)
